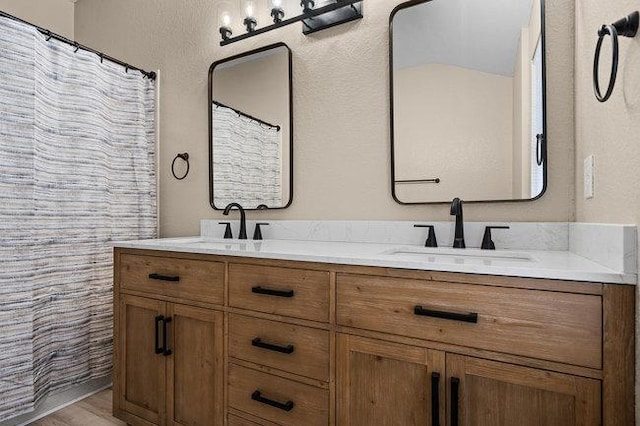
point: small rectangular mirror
(251, 129)
(468, 101)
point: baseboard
(60, 400)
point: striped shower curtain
(77, 170)
(247, 161)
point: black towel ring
(184, 157)
(627, 27)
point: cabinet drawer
(547, 325)
(295, 349)
(276, 399)
(239, 421)
(183, 278)
(296, 293)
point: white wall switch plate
(588, 177)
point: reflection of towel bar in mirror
(434, 180)
(244, 114)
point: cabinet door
(194, 369)
(489, 393)
(382, 383)
(141, 370)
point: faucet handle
(431, 238)
(487, 242)
(257, 234)
(227, 230)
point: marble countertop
(562, 265)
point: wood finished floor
(92, 411)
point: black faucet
(456, 210)
(243, 219)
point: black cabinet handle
(270, 292)
(258, 343)
(470, 317)
(287, 406)
(158, 350)
(435, 399)
(164, 277)
(165, 351)
(455, 386)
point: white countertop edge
(595, 274)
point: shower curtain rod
(250, 117)
(49, 35)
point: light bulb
(249, 20)
(276, 3)
(248, 7)
(225, 12)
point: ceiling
(479, 35)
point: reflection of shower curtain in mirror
(247, 165)
(77, 170)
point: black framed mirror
(468, 101)
(251, 129)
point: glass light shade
(249, 8)
(275, 4)
(225, 14)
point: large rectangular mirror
(251, 129)
(468, 101)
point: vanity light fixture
(250, 21)
(327, 14)
(277, 13)
(307, 5)
(224, 20)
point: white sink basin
(461, 256)
(218, 244)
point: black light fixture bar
(315, 20)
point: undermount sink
(461, 256)
(210, 243)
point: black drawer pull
(165, 351)
(435, 399)
(455, 385)
(470, 317)
(270, 292)
(164, 277)
(158, 350)
(287, 406)
(258, 343)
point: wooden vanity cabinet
(481, 392)
(383, 383)
(293, 343)
(168, 356)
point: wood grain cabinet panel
(197, 280)
(289, 292)
(488, 393)
(140, 370)
(278, 400)
(195, 369)
(545, 325)
(295, 349)
(382, 383)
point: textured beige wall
(54, 15)
(341, 107)
(455, 124)
(609, 131)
